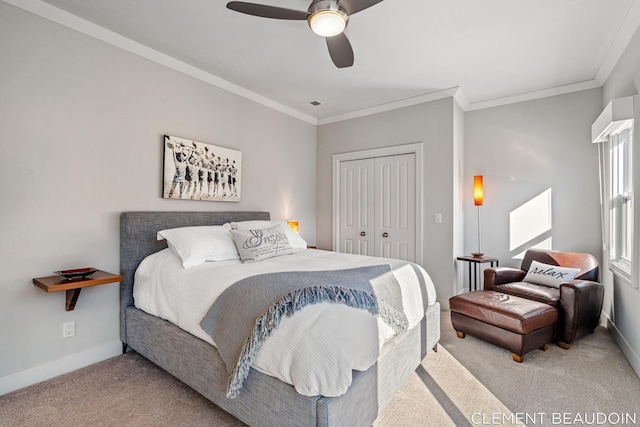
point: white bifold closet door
(378, 206)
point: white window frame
(621, 203)
(620, 186)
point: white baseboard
(627, 350)
(54, 368)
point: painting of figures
(198, 171)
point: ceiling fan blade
(355, 6)
(340, 50)
(266, 11)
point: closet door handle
(362, 233)
(385, 234)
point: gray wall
(624, 300)
(523, 150)
(430, 123)
(81, 125)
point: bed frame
(264, 400)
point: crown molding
(627, 30)
(630, 25)
(458, 94)
(51, 13)
(407, 102)
(530, 96)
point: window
(621, 200)
(619, 187)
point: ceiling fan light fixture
(328, 23)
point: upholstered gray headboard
(138, 239)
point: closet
(377, 206)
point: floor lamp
(478, 198)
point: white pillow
(195, 245)
(295, 239)
(259, 244)
(549, 275)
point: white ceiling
(406, 51)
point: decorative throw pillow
(256, 245)
(295, 239)
(549, 275)
(195, 245)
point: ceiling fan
(327, 18)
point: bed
(264, 400)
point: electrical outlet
(68, 329)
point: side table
(74, 286)
(475, 265)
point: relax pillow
(195, 245)
(295, 239)
(549, 275)
(259, 244)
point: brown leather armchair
(579, 301)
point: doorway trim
(415, 148)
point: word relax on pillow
(549, 275)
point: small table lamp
(293, 224)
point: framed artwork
(198, 171)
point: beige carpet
(467, 382)
(470, 382)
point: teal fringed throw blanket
(246, 313)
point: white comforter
(316, 349)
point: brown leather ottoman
(516, 324)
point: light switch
(437, 218)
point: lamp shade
(478, 190)
(293, 224)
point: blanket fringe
(297, 300)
